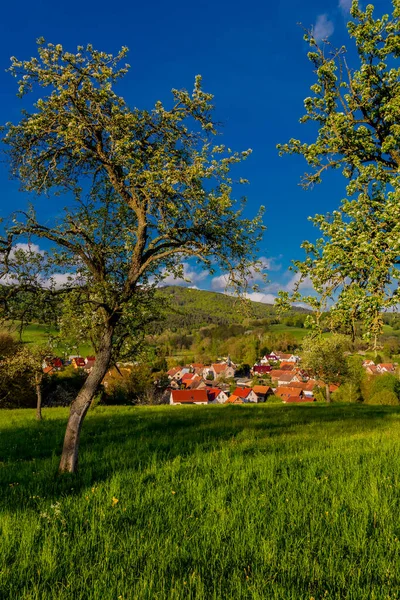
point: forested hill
(192, 308)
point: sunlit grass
(285, 502)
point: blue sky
(252, 58)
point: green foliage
(388, 382)
(324, 358)
(384, 396)
(357, 112)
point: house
(385, 368)
(372, 370)
(284, 377)
(78, 362)
(220, 370)
(216, 396)
(234, 400)
(261, 369)
(197, 368)
(368, 363)
(191, 380)
(287, 357)
(188, 397)
(307, 387)
(177, 372)
(297, 399)
(286, 392)
(49, 370)
(246, 394)
(286, 366)
(173, 372)
(243, 383)
(262, 392)
(269, 357)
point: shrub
(386, 382)
(348, 392)
(386, 397)
(274, 400)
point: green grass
(239, 502)
(36, 333)
(297, 332)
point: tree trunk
(38, 386)
(81, 404)
(328, 393)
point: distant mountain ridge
(190, 307)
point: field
(231, 502)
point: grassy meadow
(217, 502)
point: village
(277, 374)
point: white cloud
(260, 297)
(26, 248)
(306, 283)
(345, 5)
(62, 280)
(323, 28)
(255, 274)
(220, 282)
(190, 276)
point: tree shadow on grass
(116, 440)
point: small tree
(145, 189)
(324, 359)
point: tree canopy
(357, 111)
(144, 188)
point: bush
(386, 397)
(274, 400)
(386, 382)
(348, 392)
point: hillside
(192, 308)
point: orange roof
(174, 371)
(388, 366)
(297, 399)
(287, 366)
(218, 368)
(261, 389)
(285, 376)
(234, 400)
(287, 391)
(189, 396)
(197, 366)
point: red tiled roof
(189, 396)
(297, 399)
(188, 376)
(242, 392)
(173, 371)
(262, 368)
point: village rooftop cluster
(208, 384)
